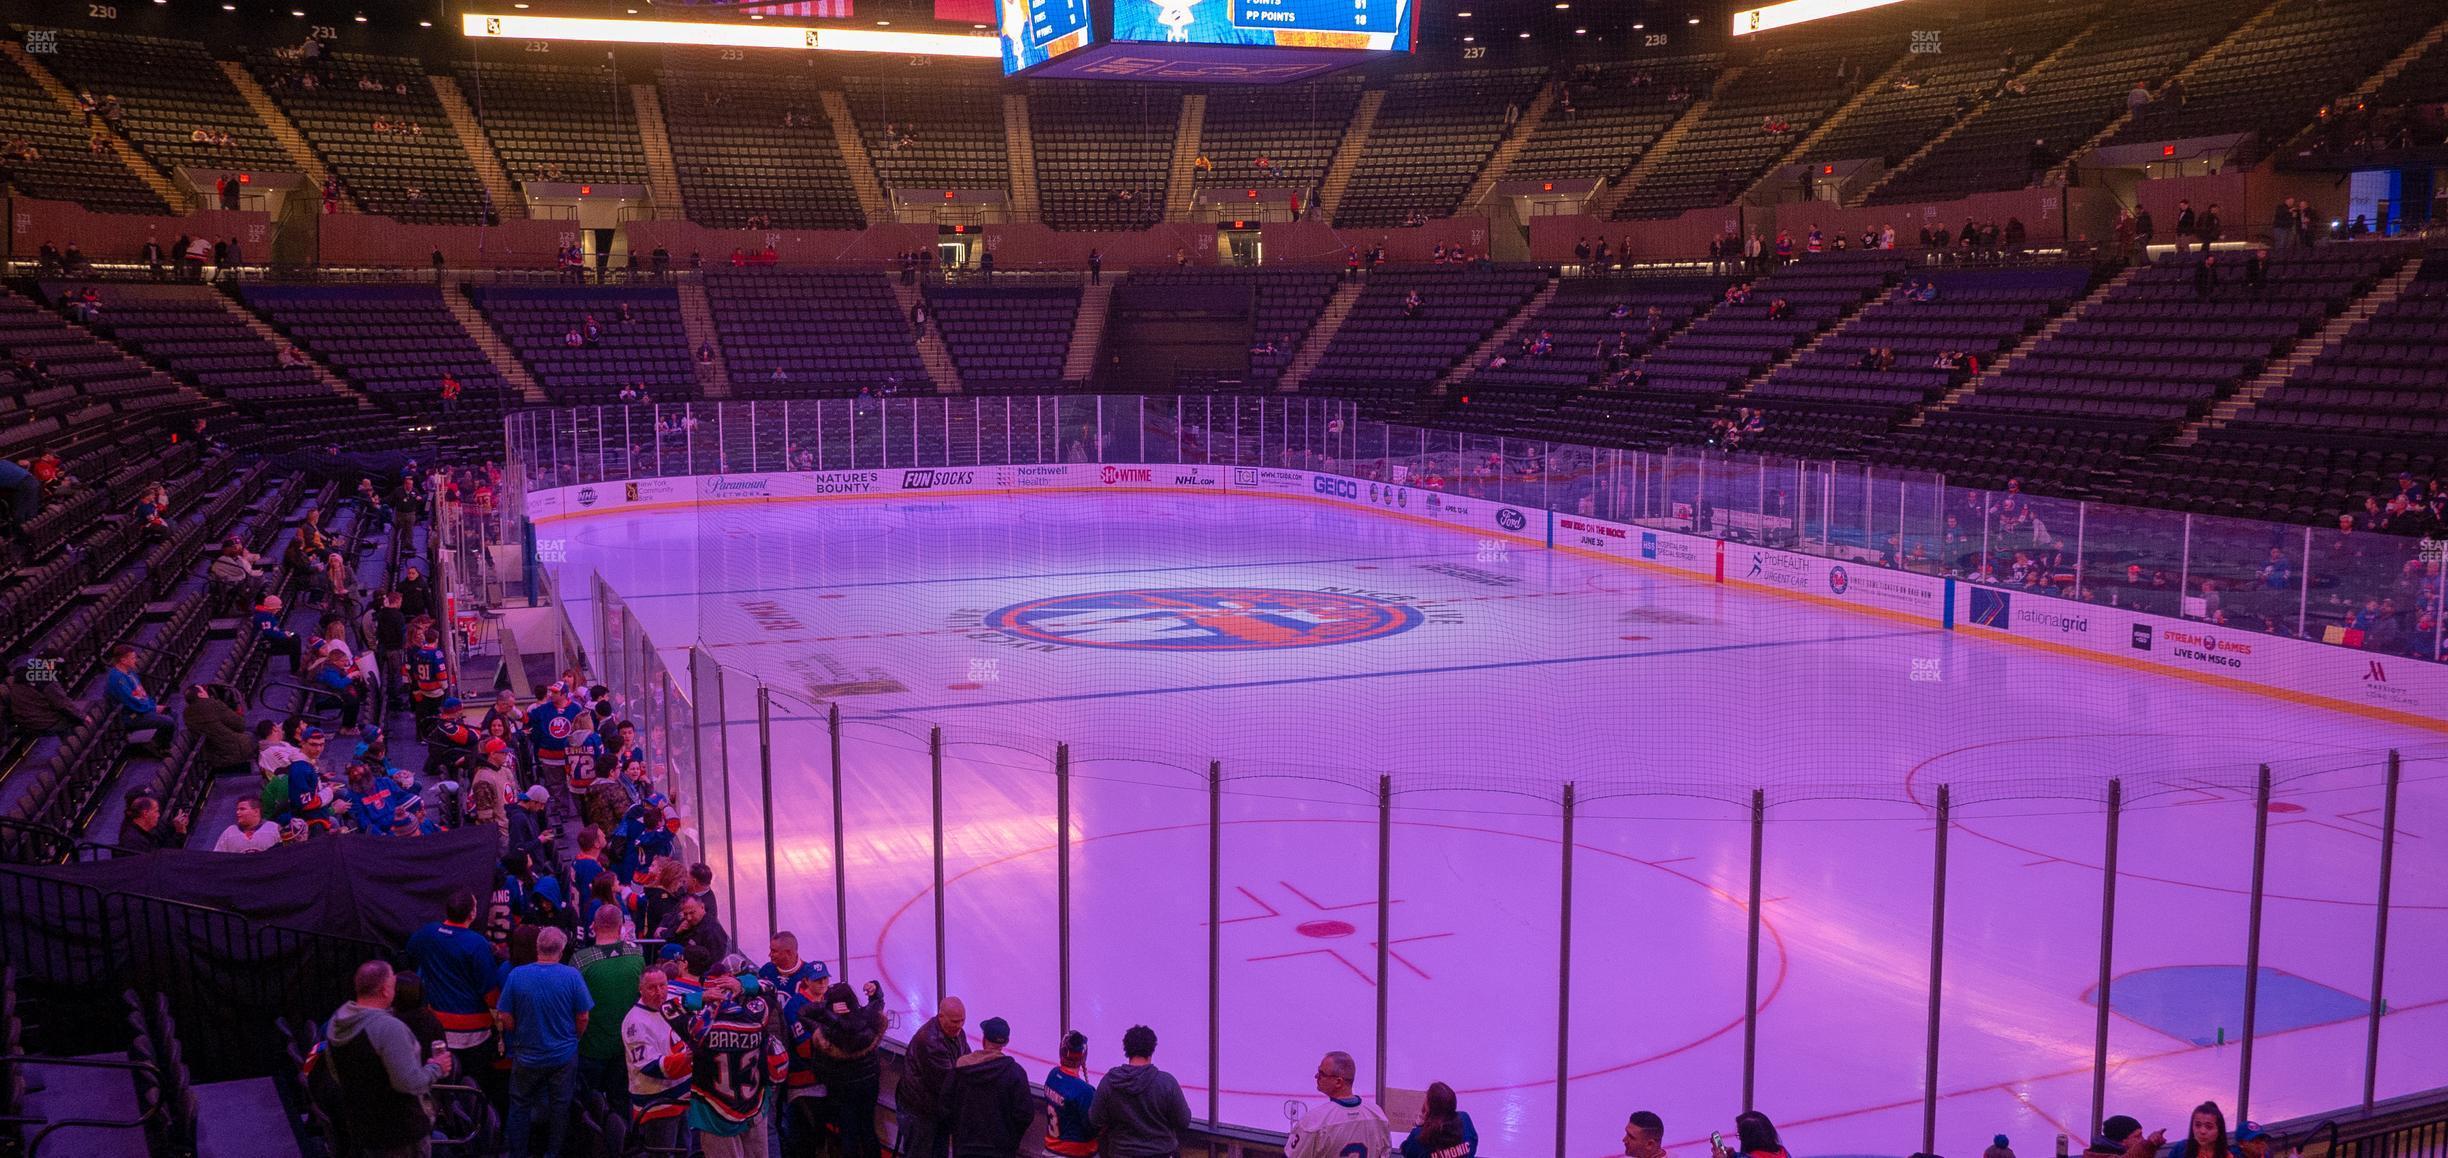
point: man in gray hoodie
(373, 1054)
(988, 1104)
(1139, 1110)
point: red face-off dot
(1325, 930)
(2283, 806)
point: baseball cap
(656, 800)
(2249, 1131)
(996, 1030)
(818, 971)
(450, 703)
(557, 689)
(537, 793)
(312, 733)
(495, 744)
(2118, 1128)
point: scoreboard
(1351, 24)
(1036, 31)
(1200, 41)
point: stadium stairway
(932, 353)
(1905, 165)
(1087, 333)
(2371, 84)
(284, 131)
(1503, 337)
(1608, 200)
(1023, 157)
(489, 171)
(1508, 149)
(871, 196)
(1181, 192)
(2108, 132)
(1347, 157)
(1734, 396)
(713, 378)
(121, 147)
(662, 175)
(2098, 294)
(227, 298)
(489, 340)
(1771, 176)
(1321, 333)
(2305, 351)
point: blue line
(1496, 665)
(1039, 575)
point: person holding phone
(1754, 1137)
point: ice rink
(1310, 649)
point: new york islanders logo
(1204, 619)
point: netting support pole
(1215, 936)
(2380, 916)
(696, 805)
(722, 721)
(1759, 836)
(2252, 944)
(1564, 929)
(1062, 884)
(2107, 956)
(773, 889)
(935, 776)
(1937, 973)
(841, 850)
(1385, 918)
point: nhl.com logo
(1510, 519)
(1838, 580)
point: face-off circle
(1205, 619)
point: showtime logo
(1125, 474)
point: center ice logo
(1204, 619)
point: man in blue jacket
(125, 690)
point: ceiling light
(1580, 31)
(1693, 20)
(1637, 26)
(424, 23)
(300, 13)
(1468, 39)
(883, 23)
(360, 16)
(1464, 15)
(979, 27)
(229, 8)
(1525, 36)
(1561, 7)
